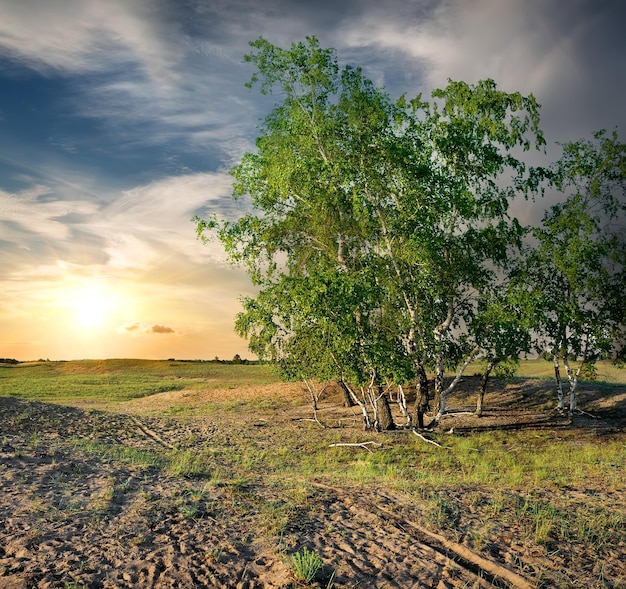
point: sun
(90, 306)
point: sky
(119, 121)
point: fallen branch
(450, 548)
(429, 441)
(313, 419)
(587, 414)
(363, 445)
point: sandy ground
(72, 516)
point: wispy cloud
(134, 228)
(86, 35)
(28, 213)
(138, 72)
(149, 223)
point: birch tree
(578, 269)
(502, 331)
(452, 232)
(377, 223)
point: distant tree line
(237, 359)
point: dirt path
(69, 516)
(74, 514)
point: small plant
(197, 494)
(138, 540)
(188, 511)
(306, 564)
(331, 580)
(125, 486)
(187, 464)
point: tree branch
(429, 441)
(363, 445)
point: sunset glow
(119, 122)
(91, 306)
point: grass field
(104, 452)
(607, 372)
(108, 382)
(117, 380)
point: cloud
(138, 228)
(25, 212)
(161, 329)
(136, 328)
(565, 53)
(149, 224)
(133, 68)
(464, 39)
(85, 35)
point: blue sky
(119, 120)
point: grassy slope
(606, 371)
(118, 380)
(554, 492)
(112, 381)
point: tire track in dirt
(486, 572)
(150, 433)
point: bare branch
(363, 445)
(430, 441)
(587, 414)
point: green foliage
(507, 369)
(580, 262)
(378, 225)
(306, 564)
(577, 271)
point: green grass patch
(114, 381)
(124, 454)
(606, 371)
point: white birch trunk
(314, 396)
(453, 384)
(574, 401)
(403, 406)
(440, 398)
(362, 405)
(483, 386)
(372, 399)
(372, 395)
(573, 383)
(572, 377)
(440, 395)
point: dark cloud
(161, 329)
